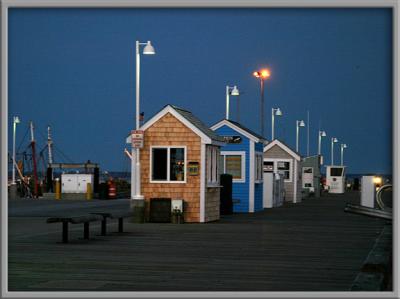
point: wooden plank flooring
(309, 246)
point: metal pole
(297, 136)
(319, 142)
(272, 124)
(227, 103)
(238, 108)
(308, 133)
(14, 133)
(331, 151)
(262, 106)
(341, 154)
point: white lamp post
(320, 135)
(277, 112)
(230, 91)
(299, 123)
(333, 141)
(15, 122)
(342, 147)
(135, 171)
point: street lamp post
(230, 91)
(320, 135)
(15, 122)
(277, 112)
(333, 141)
(342, 147)
(299, 123)
(135, 162)
(262, 75)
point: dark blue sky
(74, 69)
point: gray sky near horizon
(74, 69)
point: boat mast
(49, 145)
(35, 177)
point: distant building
(280, 158)
(242, 157)
(311, 174)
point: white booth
(335, 178)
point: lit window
(168, 164)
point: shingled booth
(179, 160)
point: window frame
(243, 170)
(168, 181)
(212, 171)
(259, 168)
(276, 160)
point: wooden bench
(85, 219)
(120, 215)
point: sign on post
(137, 138)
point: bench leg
(86, 230)
(120, 225)
(65, 232)
(103, 227)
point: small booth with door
(311, 175)
(242, 157)
(280, 158)
(179, 161)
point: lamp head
(16, 120)
(235, 91)
(263, 74)
(344, 145)
(278, 112)
(301, 123)
(334, 139)
(149, 49)
(323, 133)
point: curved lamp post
(342, 147)
(320, 135)
(135, 171)
(230, 91)
(299, 123)
(333, 141)
(277, 112)
(262, 75)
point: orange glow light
(264, 73)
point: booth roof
(198, 123)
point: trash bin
(226, 204)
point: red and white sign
(137, 138)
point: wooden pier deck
(309, 246)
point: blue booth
(242, 157)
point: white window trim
(236, 153)
(212, 152)
(261, 158)
(168, 181)
(276, 160)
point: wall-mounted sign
(137, 138)
(193, 168)
(232, 139)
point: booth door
(268, 190)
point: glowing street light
(262, 75)
(333, 141)
(277, 112)
(299, 123)
(230, 91)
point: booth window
(212, 165)
(284, 167)
(168, 164)
(234, 164)
(259, 168)
(268, 166)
